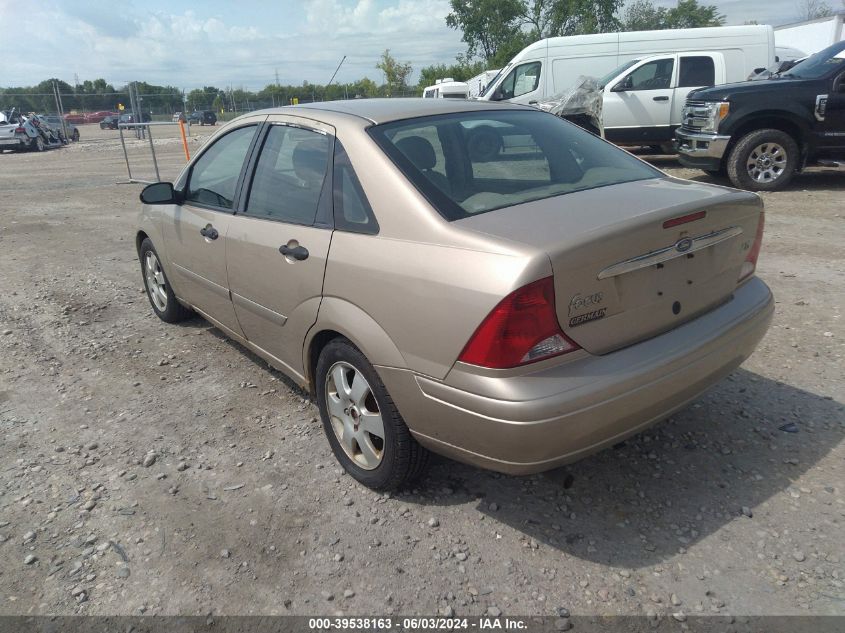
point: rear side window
(474, 162)
(214, 176)
(289, 175)
(352, 211)
(696, 71)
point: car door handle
(660, 98)
(295, 252)
(209, 232)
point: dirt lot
(734, 506)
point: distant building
(813, 35)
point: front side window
(289, 175)
(695, 71)
(468, 163)
(655, 75)
(214, 177)
(521, 80)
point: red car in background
(96, 117)
(76, 119)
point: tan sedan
(485, 281)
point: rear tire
(763, 160)
(164, 302)
(75, 136)
(388, 462)
(38, 145)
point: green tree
(460, 71)
(487, 25)
(814, 9)
(363, 88)
(550, 18)
(395, 72)
(496, 30)
(642, 15)
(689, 14)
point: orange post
(184, 140)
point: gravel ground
(149, 468)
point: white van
(478, 84)
(446, 89)
(550, 66)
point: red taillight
(522, 329)
(750, 263)
(20, 130)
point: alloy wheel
(766, 162)
(156, 283)
(355, 415)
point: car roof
(386, 110)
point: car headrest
(419, 151)
(309, 160)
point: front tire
(763, 160)
(365, 430)
(164, 302)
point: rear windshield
(473, 162)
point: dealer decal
(581, 319)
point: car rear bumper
(14, 143)
(561, 413)
(701, 151)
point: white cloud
(245, 43)
(167, 44)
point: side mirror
(159, 193)
(623, 85)
(497, 95)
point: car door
(521, 84)
(278, 242)
(695, 70)
(638, 107)
(833, 123)
(195, 232)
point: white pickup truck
(643, 98)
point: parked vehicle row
(32, 132)
(694, 96)
(760, 133)
(516, 310)
(89, 117)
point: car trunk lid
(633, 260)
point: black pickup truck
(760, 133)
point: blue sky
(244, 44)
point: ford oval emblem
(682, 246)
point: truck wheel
(75, 136)
(365, 430)
(39, 144)
(763, 160)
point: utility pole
(335, 71)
